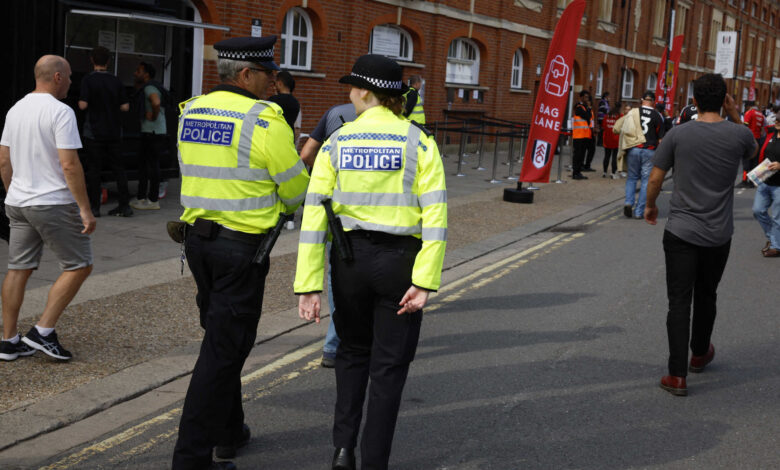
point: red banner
(752, 90)
(550, 106)
(671, 88)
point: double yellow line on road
(451, 292)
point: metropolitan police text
(207, 132)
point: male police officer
(239, 171)
(413, 110)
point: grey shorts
(59, 227)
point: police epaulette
(422, 128)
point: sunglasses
(266, 71)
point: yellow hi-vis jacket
(238, 162)
(383, 174)
(418, 113)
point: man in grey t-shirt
(706, 154)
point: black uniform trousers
(578, 157)
(692, 272)
(590, 152)
(376, 342)
(99, 151)
(230, 297)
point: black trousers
(376, 343)
(610, 155)
(152, 149)
(98, 152)
(692, 272)
(578, 157)
(590, 150)
(230, 297)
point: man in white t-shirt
(47, 204)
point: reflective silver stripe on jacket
(247, 130)
(227, 205)
(355, 224)
(294, 201)
(375, 199)
(433, 197)
(290, 173)
(219, 173)
(430, 234)
(410, 170)
(313, 236)
(315, 199)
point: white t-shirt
(35, 127)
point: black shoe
(10, 351)
(222, 466)
(228, 451)
(47, 344)
(343, 459)
(121, 211)
(579, 176)
(587, 168)
(328, 361)
(628, 211)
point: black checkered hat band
(385, 84)
(243, 55)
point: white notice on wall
(107, 39)
(475, 95)
(726, 53)
(125, 42)
(460, 93)
(386, 41)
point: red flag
(550, 105)
(674, 62)
(752, 90)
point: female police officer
(385, 178)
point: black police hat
(377, 73)
(249, 49)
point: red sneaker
(674, 385)
(699, 362)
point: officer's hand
(414, 300)
(651, 215)
(309, 307)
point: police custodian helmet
(377, 73)
(250, 49)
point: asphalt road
(550, 358)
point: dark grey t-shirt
(334, 118)
(705, 157)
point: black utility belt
(211, 230)
(382, 237)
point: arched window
(517, 69)
(391, 41)
(600, 80)
(628, 84)
(463, 62)
(652, 82)
(689, 97)
(296, 40)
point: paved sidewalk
(133, 327)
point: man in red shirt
(754, 119)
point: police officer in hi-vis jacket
(385, 180)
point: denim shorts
(59, 227)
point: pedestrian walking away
(103, 97)
(766, 204)
(385, 180)
(46, 203)
(705, 154)
(610, 140)
(640, 156)
(239, 171)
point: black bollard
(519, 195)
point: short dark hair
(148, 68)
(287, 79)
(614, 110)
(584, 93)
(100, 56)
(605, 94)
(709, 91)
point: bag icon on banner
(556, 81)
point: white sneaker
(615, 176)
(145, 205)
(289, 225)
(163, 190)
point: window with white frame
(715, 27)
(658, 18)
(605, 10)
(517, 69)
(463, 62)
(652, 81)
(391, 41)
(679, 21)
(297, 38)
(628, 84)
(689, 98)
(600, 81)
(776, 65)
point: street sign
(726, 53)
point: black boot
(344, 459)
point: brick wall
(342, 29)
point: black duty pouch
(205, 229)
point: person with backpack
(153, 138)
